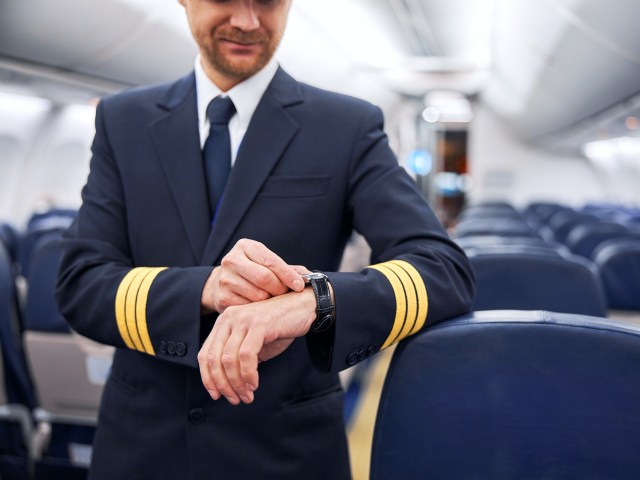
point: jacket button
(171, 348)
(372, 349)
(196, 416)
(181, 349)
(362, 354)
(352, 358)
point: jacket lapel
(176, 137)
(270, 131)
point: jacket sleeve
(154, 309)
(418, 275)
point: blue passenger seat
(492, 226)
(583, 240)
(51, 222)
(618, 261)
(506, 395)
(16, 391)
(69, 372)
(479, 241)
(9, 237)
(494, 240)
(18, 382)
(41, 310)
(504, 211)
(564, 221)
(534, 278)
(541, 212)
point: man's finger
(205, 374)
(248, 355)
(235, 289)
(241, 265)
(231, 363)
(301, 269)
(215, 366)
(261, 255)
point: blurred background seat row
(52, 378)
(582, 260)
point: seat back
(9, 237)
(512, 394)
(541, 212)
(536, 279)
(496, 211)
(497, 240)
(16, 392)
(491, 226)
(41, 311)
(584, 239)
(564, 221)
(3, 390)
(618, 262)
(17, 381)
(69, 372)
(52, 222)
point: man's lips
(241, 48)
(242, 41)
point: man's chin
(239, 70)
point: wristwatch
(324, 307)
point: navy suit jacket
(313, 166)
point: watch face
(313, 276)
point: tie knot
(220, 110)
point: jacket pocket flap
(295, 186)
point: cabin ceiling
(557, 71)
(106, 44)
(560, 67)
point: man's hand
(250, 272)
(245, 335)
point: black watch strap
(324, 306)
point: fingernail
(244, 399)
(298, 284)
(215, 395)
(253, 388)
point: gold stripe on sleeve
(411, 295)
(421, 294)
(120, 306)
(130, 309)
(141, 309)
(401, 302)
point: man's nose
(245, 17)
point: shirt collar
(245, 96)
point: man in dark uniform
(201, 276)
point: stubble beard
(240, 69)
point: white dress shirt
(245, 96)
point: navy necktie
(217, 149)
